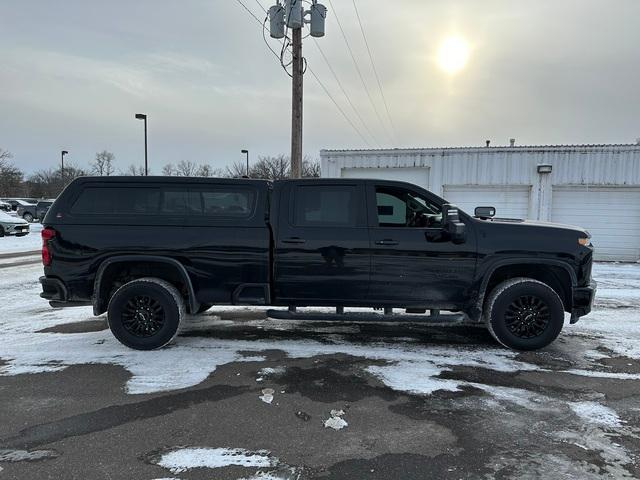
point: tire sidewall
(526, 287)
(156, 290)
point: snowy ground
(239, 396)
(11, 243)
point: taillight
(47, 234)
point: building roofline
(515, 148)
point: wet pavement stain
(112, 416)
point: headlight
(584, 241)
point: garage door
(611, 214)
(511, 201)
(417, 176)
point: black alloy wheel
(145, 313)
(527, 316)
(143, 316)
(524, 313)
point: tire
(524, 314)
(1, 232)
(203, 308)
(28, 217)
(145, 313)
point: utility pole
(294, 16)
(296, 105)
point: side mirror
(485, 212)
(451, 223)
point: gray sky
(73, 73)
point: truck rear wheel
(145, 313)
(524, 314)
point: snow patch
(184, 459)
(267, 395)
(593, 412)
(28, 243)
(335, 420)
(269, 372)
(25, 455)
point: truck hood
(537, 223)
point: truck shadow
(218, 325)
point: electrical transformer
(276, 19)
(318, 17)
(294, 13)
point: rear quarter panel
(218, 256)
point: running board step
(456, 318)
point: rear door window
(324, 205)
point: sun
(453, 54)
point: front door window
(398, 207)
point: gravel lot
(239, 396)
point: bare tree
(310, 168)
(186, 168)
(103, 164)
(208, 171)
(49, 183)
(134, 171)
(273, 168)
(236, 170)
(10, 175)
(168, 170)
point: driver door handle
(386, 242)
(296, 240)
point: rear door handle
(294, 240)
(386, 242)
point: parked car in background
(31, 212)
(10, 225)
(17, 202)
(5, 207)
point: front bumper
(18, 229)
(583, 298)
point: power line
(353, 107)
(375, 71)
(353, 58)
(338, 106)
(264, 27)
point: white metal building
(594, 186)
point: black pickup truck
(148, 250)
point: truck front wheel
(524, 314)
(145, 313)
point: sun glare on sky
(453, 54)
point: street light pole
(247, 153)
(142, 116)
(62, 154)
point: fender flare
(522, 261)
(98, 302)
